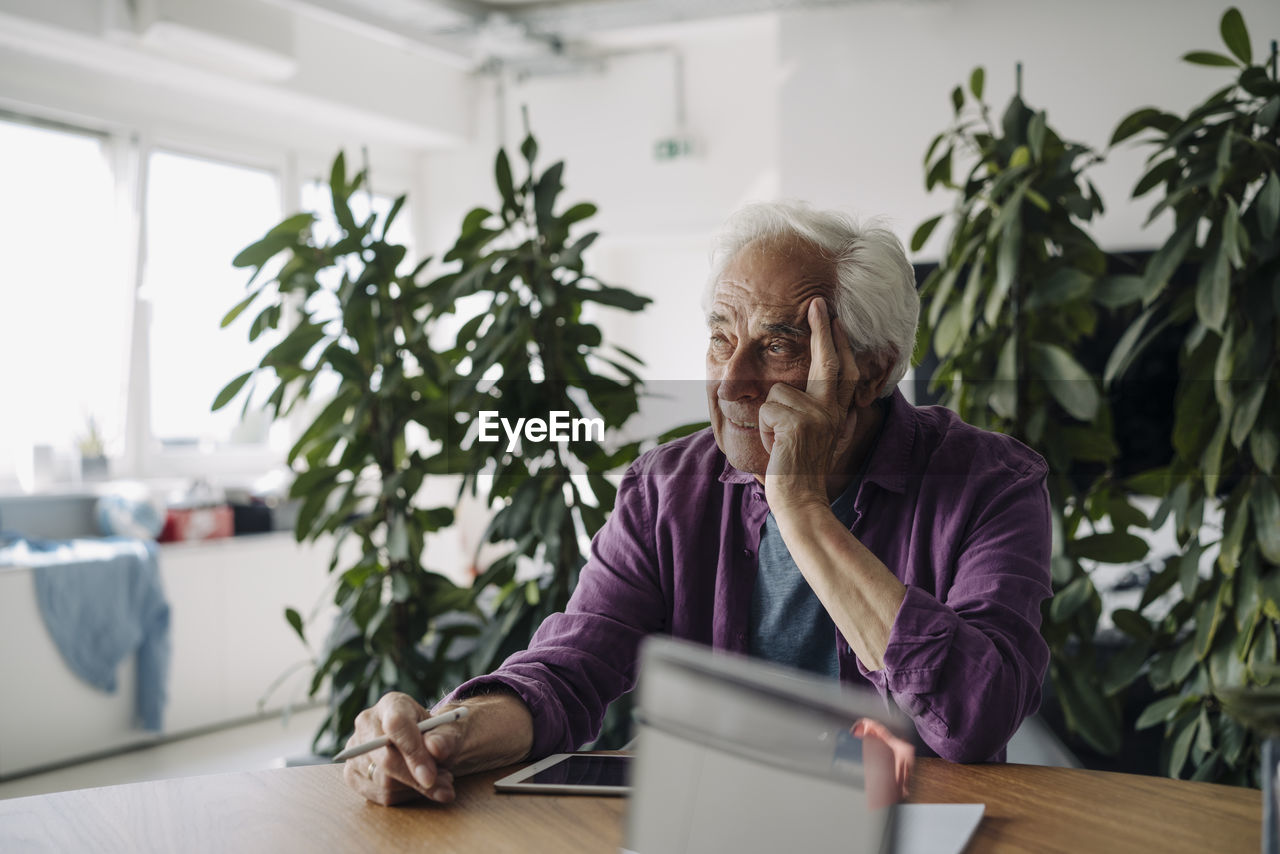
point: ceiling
(483, 33)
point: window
(111, 301)
(64, 297)
(199, 215)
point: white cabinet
(229, 640)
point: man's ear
(874, 370)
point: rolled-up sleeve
(966, 660)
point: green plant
(360, 340)
(1018, 287)
(529, 353)
(91, 443)
(1219, 169)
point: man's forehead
(772, 281)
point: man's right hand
(498, 732)
(412, 764)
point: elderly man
(822, 522)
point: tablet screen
(580, 770)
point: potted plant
(93, 451)
(526, 352)
(1019, 285)
(362, 328)
(1217, 170)
(532, 351)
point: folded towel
(102, 599)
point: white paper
(936, 828)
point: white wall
(869, 87)
(833, 107)
(655, 216)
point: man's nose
(741, 377)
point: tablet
(572, 774)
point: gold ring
(373, 766)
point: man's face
(759, 335)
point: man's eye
(779, 348)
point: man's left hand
(807, 431)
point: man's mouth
(745, 425)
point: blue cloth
(102, 599)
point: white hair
(876, 303)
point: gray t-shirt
(788, 624)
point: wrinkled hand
(414, 764)
(807, 431)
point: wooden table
(1029, 809)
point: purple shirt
(958, 514)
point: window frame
(146, 456)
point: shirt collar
(888, 465)
(891, 458)
(733, 475)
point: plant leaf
(239, 308)
(1069, 383)
(1235, 36)
(922, 233)
(1088, 710)
(1068, 600)
(1124, 667)
(1204, 57)
(1035, 135)
(1136, 122)
(1213, 288)
(976, 80)
(1111, 547)
(1155, 175)
(1268, 206)
(1006, 257)
(1266, 518)
(1181, 747)
(577, 213)
(1160, 711)
(230, 390)
(1246, 413)
(1167, 259)
(1064, 285)
(506, 185)
(1118, 291)
(295, 620)
(396, 206)
(1264, 442)
(940, 172)
(545, 192)
(947, 333)
(1131, 623)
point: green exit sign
(673, 148)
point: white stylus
(425, 725)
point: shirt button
(746, 553)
